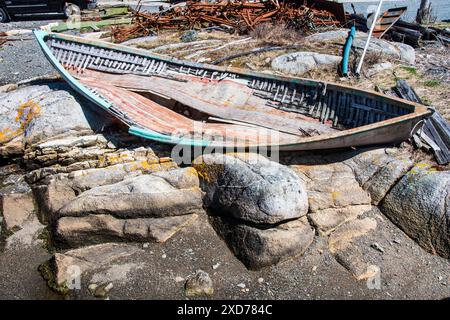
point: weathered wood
(116, 93)
(404, 91)
(442, 152)
(435, 128)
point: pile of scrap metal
(407, 32)
(236, 15)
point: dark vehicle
(11, 8)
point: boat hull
(382, 130)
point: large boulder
(251, 188)
(258, 248)
(146, 196)
(420, 205)
(302, 62)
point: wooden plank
(404, 91)
(442, 127)
(442, 153)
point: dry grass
(372, 58)
(432, 90)
(276, 34)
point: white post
(375, 17)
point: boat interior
(193, 100)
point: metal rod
(375, 17)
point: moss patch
(47, 273)
(410, 70)
(432, 83)
(45, 236)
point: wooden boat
(181, 102)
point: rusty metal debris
(238, 15)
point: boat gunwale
(420, 111)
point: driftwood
(404, 91)
(435, 131)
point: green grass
(432, 83)
(410, 70)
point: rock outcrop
(54, 190)
(343, 190)
(259, 206)
(420, 205)
(92, 229)
(303, 61)
(145, 196)
(144, 208)
(37, 113)
(378, 170)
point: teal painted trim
(153, 135)
(346, 54)
(75, 84)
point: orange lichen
(26, 112)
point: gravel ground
(22, 59)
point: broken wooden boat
(182, 102)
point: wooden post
(424, 12)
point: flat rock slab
(16, 208)
(420, 205)
(42, 112)
(303, 61)
(27, 236)
(327, 220)
(73, 263)
(331, 185)
(258, 248)
(251, 188)
(93, 229)
(149, 196)
(342, 237)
